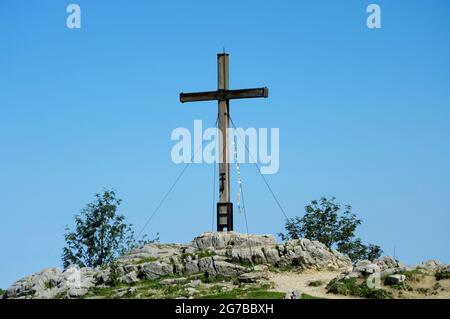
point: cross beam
(223, 95)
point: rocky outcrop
(395, 279)
(431, 265)
(389, 270)
(223, 240)
(74, 282)
(228, 254)
(309, 254)
(385, 267)
(234, 248)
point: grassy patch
(48, 285)
(424, 291)
(152, 288)
(205, 253)
(403, 286)
(272, 268)
(209, 279)
(61, 295)
(244, 292)
(107, 292)
(249, 293)
(315, 283)
(437, 286)
(442, 274)
(306, 296)
(352, 287)
(264, 294)
(31, 293)
(414, 275)
(174, 291)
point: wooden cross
(223, 95)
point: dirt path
(290, 281)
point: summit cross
(223, 95)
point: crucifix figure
(223, 95)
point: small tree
(323, 222)
(100, 234)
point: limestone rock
(312, 254)
(130, 278)
(130, 268)
(296, 294)
(154, 270)
(157, 251)
(172, 281)
(431, 265)
(228, 269)
(42, 285)
(387, 262)
(192, 291)
(395, 279)
(75, 292)
(102, 277)
(195, 283)
(191, 267)
(366, 267)
(222, 240)
(50, 282)
(389, 271)
(247, 255)
(353, 274)
(218, 266)
(272, 255)
(252, 277)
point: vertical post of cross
(224, 206)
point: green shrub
(208, 279)
(315, 283)
(437, 286)
(343, 287)
(240, 293)
(114, 275)
(61, 295)
(414, 275)
(442, 274)
(402, 286)
(424, 291)
(351, 287)
(48, 285)
(376, 294)
(334, 226)
(100, 234)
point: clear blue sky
(364, 115)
